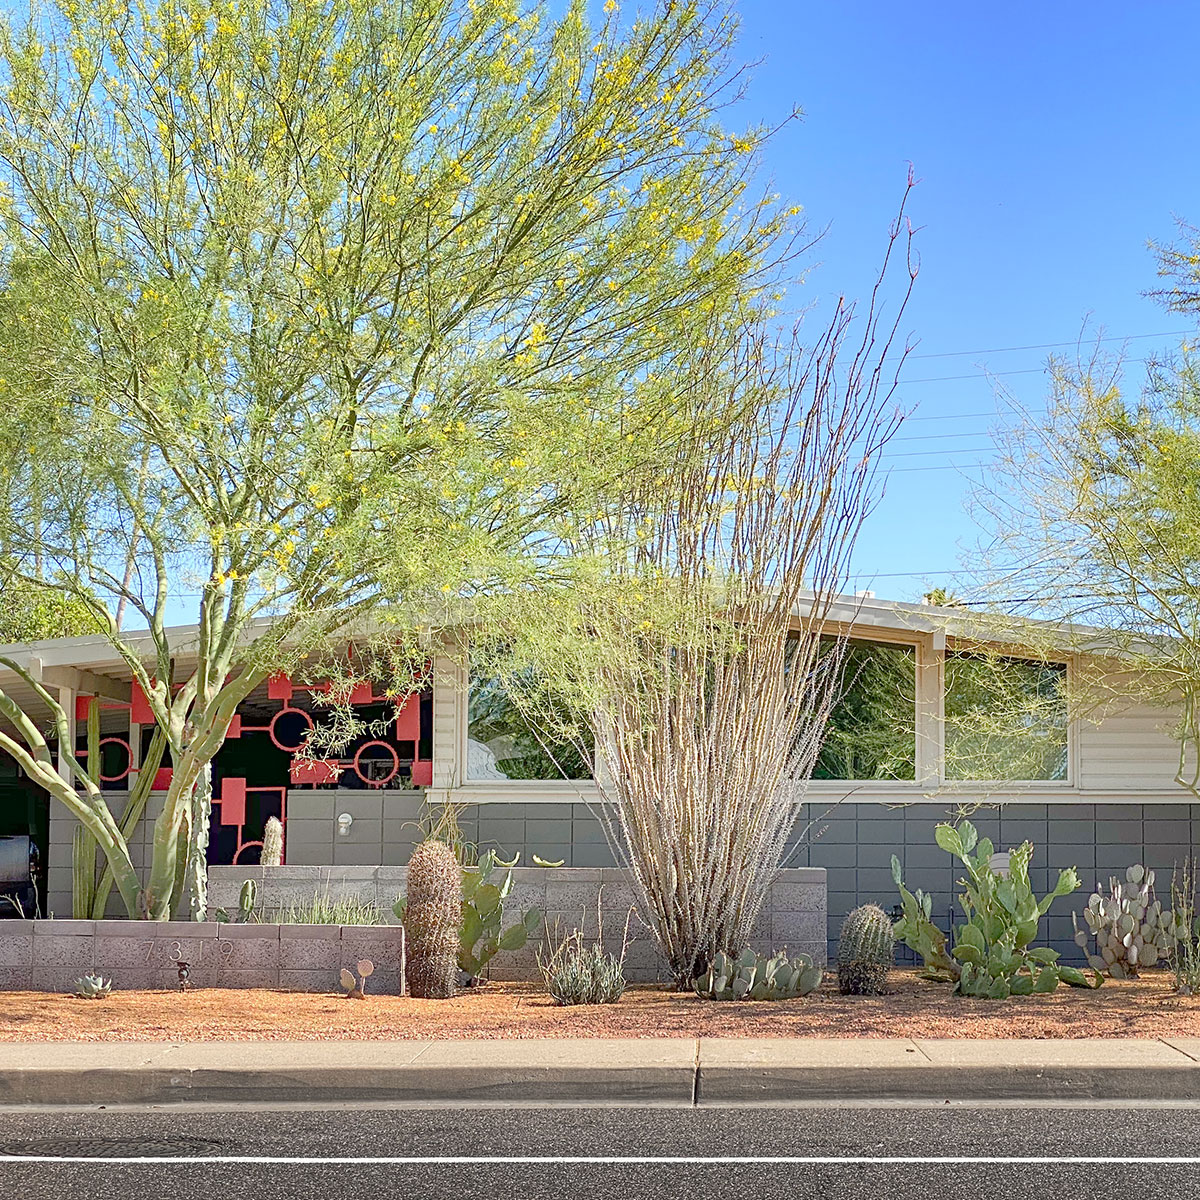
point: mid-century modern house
(1099, 794)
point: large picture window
(1005, 719)
(514, 737)
(872, 731)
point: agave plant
(92, 987)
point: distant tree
(1096, 510)
(31, 611)
(333, 313)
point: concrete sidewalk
(669, 1071)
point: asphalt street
(839, 1138)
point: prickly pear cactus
(1131, 928)
(432, 919)
(483, 934)
(750, 977)
(866, 951)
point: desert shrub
(577, 973)
(324, 909)
(1185, 954)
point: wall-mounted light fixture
(344, 821)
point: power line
(1129, 337)
(946, 467)
(943, 451)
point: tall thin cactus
(272, 843)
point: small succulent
(752, 977)
(575, 973)
(92, 987)
(356, 989)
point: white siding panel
(445, 723)
(1128, 750)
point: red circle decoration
(117, 741)
(283, 712)
(377, 783)
(244, 846)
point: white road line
(619, 1160)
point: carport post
(66, 698)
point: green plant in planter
(992, 954)
(483, 935)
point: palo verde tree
(1095, 512)
(340, 307)
(697, 664)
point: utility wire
(1128, 337)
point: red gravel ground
(1144, 1007)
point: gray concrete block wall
(854, 841)
(141, 955)
(591, 899)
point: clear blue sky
(1052, 140)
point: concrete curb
(468, 1072)
(669, 1071)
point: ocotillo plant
(432, 918)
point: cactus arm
(32, 754)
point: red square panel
(422, 774)
(139, 708)
(311, 773)
(279, 687)
(235, 727)
(83, 705)
(162, 778)
(233, 801)
(360, 693)
(408, 720)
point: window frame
(465, 783)
(919, 783)
(946, 784)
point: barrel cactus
(432, 919)
(1131, 928)
(866, 949)
(751, 977)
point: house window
(511, 735)
(872, 730)
(1005, 719)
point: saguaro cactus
(432, 919)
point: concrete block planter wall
(570, 897)
(51, 955)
